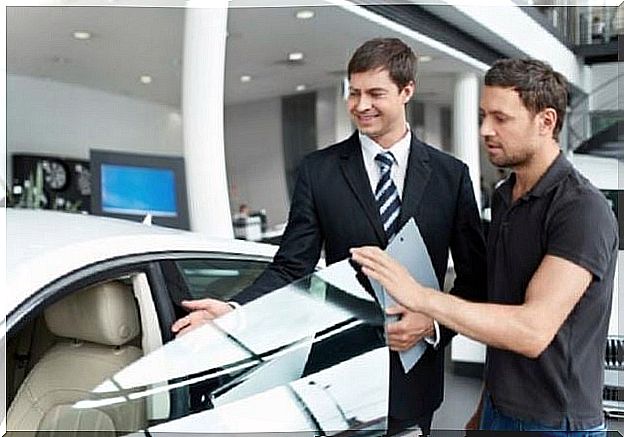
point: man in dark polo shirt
(552, 251)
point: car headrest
(105, 313)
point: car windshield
(310, 356)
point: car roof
(43, 246)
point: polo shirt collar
(558, 170)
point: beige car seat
(94, 324)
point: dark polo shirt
(565, 216)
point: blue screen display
(138, 190)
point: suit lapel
(352, 165)
(416, 179)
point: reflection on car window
(215, 278)
(308, 357)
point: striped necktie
(387, 195)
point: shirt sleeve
(434, 340)
(583, 230)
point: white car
(88, 308)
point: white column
(202, 109)
(343, 126)
(466, 127)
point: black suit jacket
(333, 205)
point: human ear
(548, 121)
(408, 91)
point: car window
(216, 278)
(72, 346)
(309, 356)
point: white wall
(255, 158)
(433, 125)
(605, 88)
(51, 117)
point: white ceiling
(130, 41)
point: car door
(315, 346)
(310, 356)
(71, 335)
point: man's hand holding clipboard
(409, 250)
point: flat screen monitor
(132, 186)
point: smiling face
(377, 105)
(510, 132)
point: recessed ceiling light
(295, 56)
(145, 79)
(301, 87)
(305, 14)
(245, 78)
(82, 34)
(425, 58)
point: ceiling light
(145, 79)
(82, 34)
(305, 14)
(295, 56)
(425, 58)
(301, 87)
(245, 78)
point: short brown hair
(390, 54)
(538, 85)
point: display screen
(138, 190)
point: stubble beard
(518, 159)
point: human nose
(485, 128)
(363, 103)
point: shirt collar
(400, 149)
(558, 170)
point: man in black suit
(347, 197)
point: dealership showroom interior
(153, 167)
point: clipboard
(409, 249)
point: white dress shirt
(400, 150)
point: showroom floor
(461, 395)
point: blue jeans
(494, 420)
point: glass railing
(582, 25)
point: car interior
(59, 357)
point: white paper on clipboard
(408, 248)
